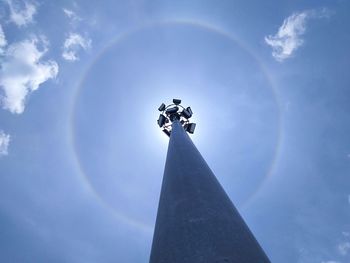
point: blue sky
(81, 157)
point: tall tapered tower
(196, 221)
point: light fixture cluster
(175, 112)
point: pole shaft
(196, 221)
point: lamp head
(175, 112)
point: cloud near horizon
(289, 36)
(21, 12)
(22, 71)
(4, 143)
(73, 43)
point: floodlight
(186, 114)
(172, 110)
(161, 120)
(172, 113)
(161, 107)
(176, 101)
(189, 110)
(191, 127)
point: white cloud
(344, 248)
(21, 12)
(3, 41)
(68, 13)
(22, 71)
(73, 44)
(289, 36)
(4, 143)
(71, 15)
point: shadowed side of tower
(196, 221)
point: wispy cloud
(289, 36)
(4, 143)
(3, 41)
(73, 43)
(22, 71)
(21, 12)
(71, 15)
(344, 248)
